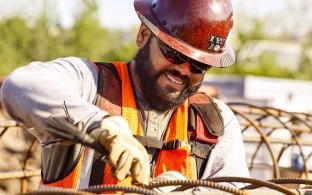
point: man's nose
(184, 68)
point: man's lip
(174, 79)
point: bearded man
(145, 113)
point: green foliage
(264, 66)
(16, 38)
(305, 68)
(267, 64)
(21, 43)
(254, 32)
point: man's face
(164, 85)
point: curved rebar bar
(265, 139)
(294, 136)
(282, 181)
(56, 192)
(31, 150)
(131, 189)
(306, 127)
(261, 183)
(256, 117)
(196, 183)
(94, 190)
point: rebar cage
(278, 145)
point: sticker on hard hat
(215, 43)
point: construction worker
(144, 113)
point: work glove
(126, 154)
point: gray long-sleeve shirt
(32, 93)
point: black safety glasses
(176, 57)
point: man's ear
(143, 35)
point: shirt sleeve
(34, 92)
(228, 157)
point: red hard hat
(198, 29)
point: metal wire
(196, 183)
(96, 190)
(283, 181)
(254, 181)
(251, 117)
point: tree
(16, 38)
(46, 40)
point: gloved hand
(125, 152)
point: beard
(160, 99)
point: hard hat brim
(224, 59)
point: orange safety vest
(177, 129)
